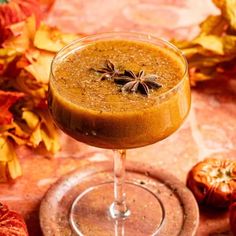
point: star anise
(108, 71)
(137, 82)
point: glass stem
(119, 209)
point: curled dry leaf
(16, 11)
(24, 34)
(9, 163)
(43, 130)
(215, 45)
(25, 58)
(212, 182)
(11, 223)
(51, 39)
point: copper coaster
(181, 209)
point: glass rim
(147, 37)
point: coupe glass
(121, 207)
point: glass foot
(90, 214)
(78, 204)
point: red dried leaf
(15, 11)
(11, 223)
(7, 99)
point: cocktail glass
(118, 207)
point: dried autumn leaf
(205, 73)
(40, 67)
(23, 41)
(210, 42)
(28, 84)
(213, 25)
(3, 167)
(16, 132)
(33, 122)
(51, 39)
(31, 119)
(200, 61)
(49, 133)
(6, 56)
(229, 43)
(8, 160)
(7, 99)
(228, 9)
(42, 130)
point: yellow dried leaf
(31, 119)
(200, 61)
(210, 42)
(49, 133)
(228, 10)
(229, 43)
(3, 149)
(182, 43)
(42, 130)
(11, 164)
(213, 25)
(36, 137)
(14, 167)
(6, 56)
(189, 52)
(51, 39)
(19, 140)
(16, 133)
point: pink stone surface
(210, 129)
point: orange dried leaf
(51, 39)
(23, 39)
(3, 167)
(7, 99)
(40, 67)
(29, 85)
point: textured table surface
(210, 129)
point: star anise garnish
(108, 71)
(137, 82)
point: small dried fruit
(11, 223)
(213, 182)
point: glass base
(90, 214)
(79, 204)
